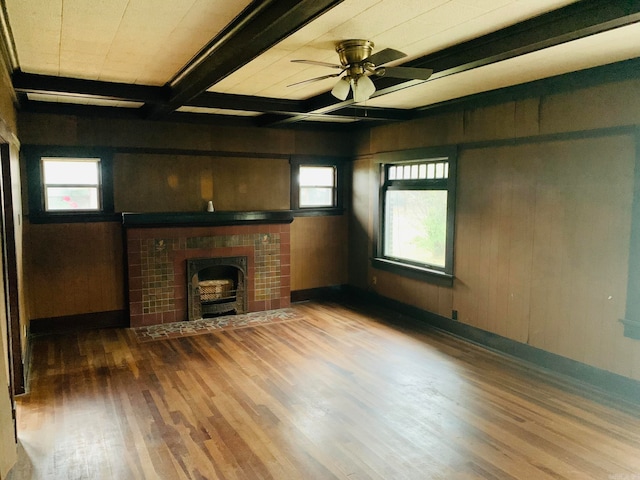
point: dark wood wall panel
(543, 220)
(319, 250)
(543, 245)
(74, 268)
(185, 183)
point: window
(417, 197)
(316, 185)
(69, 184)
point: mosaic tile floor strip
(207, 325)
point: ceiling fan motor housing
(354, 51)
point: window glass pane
(439, 170)
(317, 176)
(414, 172)
(316, 197)
(415, 224)
(70, 171)
(446, 170)
(423, 171)
(72, 198)
(392, 173)
(407, 172)
(431, 171)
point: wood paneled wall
(183, 183)
(545, 189)
(542, 245)
(319, 251)
(173, 167)
(74, 268)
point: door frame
(10, 273)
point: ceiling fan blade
(385, 56)
(316, 79)
(409, 73)
(321, 64)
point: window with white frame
(71, 184)
(416, 218)
(316, 185)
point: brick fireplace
(159, 245)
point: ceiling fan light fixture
(363, 88)
(341, 89)
(358, 61)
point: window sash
(314, 197)
(75, 198)
(415, 226)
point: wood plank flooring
(340, 393)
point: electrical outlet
(454, 314)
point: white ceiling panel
(43, 97)
(126, 41)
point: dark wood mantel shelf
(204, 219)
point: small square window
(316, 185)
(71, 184)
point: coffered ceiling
(230, 60)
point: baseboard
(74, 323)
(607, 382)
(321, 293)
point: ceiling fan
(359, 64)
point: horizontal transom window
(419, 171)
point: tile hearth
(208, 325)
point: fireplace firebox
(216, 286)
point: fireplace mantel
(205, 219)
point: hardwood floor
(340, 393)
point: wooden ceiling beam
(76, 87)
(260, 26)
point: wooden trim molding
(631, 328)
(632, 315)
(205, 219)
(319, 293)
(75, 323)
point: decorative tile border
(208, 325)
